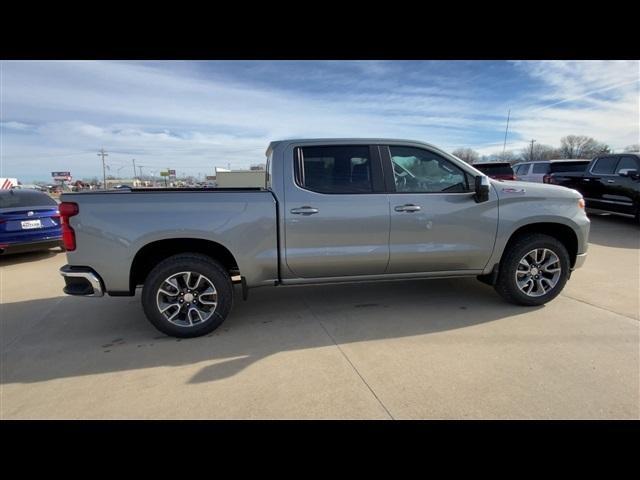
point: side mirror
(628, 172)
(482, 189)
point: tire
(202, 316)
(544, 289)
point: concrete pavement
(413, 349)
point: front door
(337, 213)
(436, 225)
(598, 185)
(624, 189)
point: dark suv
(611, 182)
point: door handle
(611, 181)
(409, 207)
(306, 210)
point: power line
(532, 142)
(104, 172)
(504, 147)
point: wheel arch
(560, 231)
(154, 252)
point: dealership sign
(61, 175)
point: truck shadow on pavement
(83, 336)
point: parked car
(497, 170)
(29, 220)
(540, 171)
(610, 183)
(330, 211)
(29, 186)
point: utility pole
(505, 132)
(140, 168)
(134, 168)
(531, 157)
(104, 172)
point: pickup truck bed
(119, 225)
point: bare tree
(506, 156)
(580, 146)
(632, 148)
(467, 155)
(540, 152)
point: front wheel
(187, 295)
(533, 270)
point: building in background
(239, 178)
(8, 183)
(129, 182)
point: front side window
(334, 169)
(419, 171)
(605, 165)
(540, 168)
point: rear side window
(540, 168)
(627, 163)
(334, 169)
(605, 165)
(569, 166)
(24, 198)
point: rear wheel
(187, 295)
(533, 270)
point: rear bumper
(81, 281)
(8, 248)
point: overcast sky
(192, 116)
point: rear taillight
(68, 210)
(546, 179)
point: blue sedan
(29, 220)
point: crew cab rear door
(336, 212)
(436, 225)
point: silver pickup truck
(345, 210)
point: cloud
(22, 127)
(194, 115)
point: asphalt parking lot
(439, 349)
